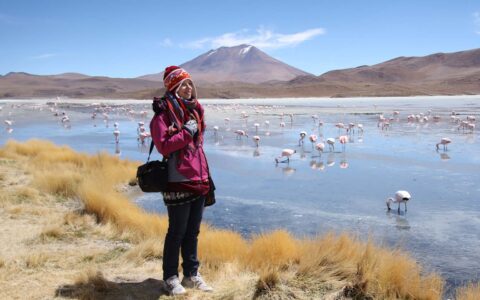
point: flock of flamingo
(263, 119)
(346, 132)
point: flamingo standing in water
(303, 134)
(343, 139)
(215, 131)
(256, 140)
(400, 196)
(240, 133)
(116, 133)
(256, 125)
(331, 144)
(319, 147)
(267, 124)
(313, 139)
(285, 153)
(444, 142)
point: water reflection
(444, 156)
(330, 159)
(288, 170)
(117, 149)
(401, 222)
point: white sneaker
(173, 286)
(196, 282)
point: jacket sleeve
(164, 142)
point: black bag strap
(150, 152)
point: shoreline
(242, 100)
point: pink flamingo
(343, 139)
(256, 140)
(240, 133)
(320, 147)
(285, 153)
(313, 139)
(444, 142)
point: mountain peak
(244, 63)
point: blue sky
(127, 38)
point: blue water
(339, 191)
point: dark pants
(183, 229)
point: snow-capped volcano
(244, 63)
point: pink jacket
(193, 166)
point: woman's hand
(191, 126)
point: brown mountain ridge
(244, 71)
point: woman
(177, 131)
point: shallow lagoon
(339, 191)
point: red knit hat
(173, 77)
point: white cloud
(44, 56)
(262, 38)
(476, 21)
(166, 43)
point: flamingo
(319, 147)
(471, 127)
(351, 127)
(400, 196)
(285, 153)
(256, 125)
(313, 139)
(256, 140)
(267, 124)
(8, 123)
(116, 133)
(331, 144)
(226, 120)
(303, 134)
(444, 142)
(340, 126)
(240, 133)
(343, 139)
(360, 128)
(215, 131)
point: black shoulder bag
(153, 175)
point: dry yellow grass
(52, 232)
(273, 251)
(35, 260)
(332, 261)
(146, 250)
(468, 292)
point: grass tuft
(52, 232)
(274, 251)
(468, 292)
(266, 283)
(35, 260)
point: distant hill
(243, 63)
(234, 72)
(24, 85)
